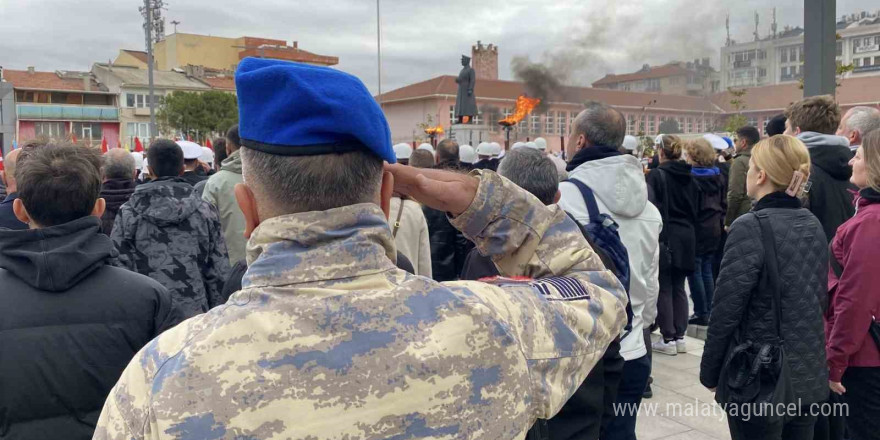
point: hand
(438, 189)
(837, 387)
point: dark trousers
(702, 285)
(672, 304)
(796, 428)
(863, 399)
(833, 426)
(629, 396)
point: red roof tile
(222, 83)
(653, 72)
(852, 91)
(22, 79)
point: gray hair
(292, 184)
(863, 120)
(531, 171)
(601, 125)
(118, 164)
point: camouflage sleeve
(216, 269)
(564, 319)
(117, 235)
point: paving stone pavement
(681, 409)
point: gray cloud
(420, 40)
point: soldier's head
(819, 114)
(119, 164)
(312, 139)
(57, 184)
(598, 124)
(532, 171)
(165, 158)
(465, 60)
(421, 159)
(447, 152)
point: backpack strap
(771, 270)
(589, 198)
(399, 215)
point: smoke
(540, 81)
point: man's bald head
(598, 124)
(119, 164)
(9, 174)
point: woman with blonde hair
(767, 317)
(711, 208)
(676, 196)
(854, 290)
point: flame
(524, 106)
(434, 130)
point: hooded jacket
(7, 216)
(829, 197)
(115, 192)
(619, 186)
(854, 299)
(169, 234)
(738, 201)
(682, 196)
(71, 324)
(711, 209)
(220, 192)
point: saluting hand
(438, 189)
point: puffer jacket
(171, 235)
(71, 323)
(115, 193)
(829, 197)
(449, 247)
(682, 205)
(220, 192)
(742, 312)
(711, 208)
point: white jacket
(619, 185)
(412, 237)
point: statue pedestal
(470, 134)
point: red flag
(209, 144)
(73, 137)
(1, 158)
(137, 145)
(104, 145)
(189, 138)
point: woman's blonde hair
(780, 157)
(671, 146)
(700, 152)
(871, 153)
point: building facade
(696, 78)
(7, 114)
(58, 104)
(484, 60)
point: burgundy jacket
(855, 296)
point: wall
(7, 115)
(110, 131)
(26, 131)
(178, 50)
(126, 59)
(484, 60)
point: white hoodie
(619, 185)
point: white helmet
(484, 149)
(467, 154)
(716, 141)
(207, 156)
(658, 140)
(191, 150)
(403, 151)
(138, 160)
(630, 143)
(426, 146)
(517, 145)
(541, 143)
(496, 149)
(532, 145)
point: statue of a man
(465, 100)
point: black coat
(712, 208)
(741, 310)
(679, 225)
(71, 324)
(7, 216)
(829, 197)
(449, 247)
(115, 192)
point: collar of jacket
(232, 163)
(747, 152)
(587, 154)
(868, 196)
(705, 171)
(347, 242)
(778, 199)
(812, 139)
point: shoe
(648, 392)
(698, 320)
(680, 346)
(668, 348)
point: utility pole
(379, 49)
(820, 47)
(175, 23)
(152, 12)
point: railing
(741, 64)
(871, 68)
(67, 112)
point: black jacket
(678, 227)
(488, 164)
(449, 247)
(194, 177)
(115, 192)
(7, 216)
(742, 311)
(712, 208)
(71, 323)
(829, 196)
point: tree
(737, 121)
(198, 114)
(669, 126)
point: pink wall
(111, 133)
(26, 131)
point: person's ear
(20, 212)
(762, 177)
(248, 204)
(385, 193)
(100, 207)
(581, 142)
(797, 131)
(854, 138)
(557, 197)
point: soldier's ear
(248, 204)
(20, 212)
(100, 207)
(385, 193)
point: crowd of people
(307, 279)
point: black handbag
(665, 250)
(874, 328)
(755, 379)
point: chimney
(30, 70)
(296, 45)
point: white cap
(484, 149)
(532, 145)
(207, 156)
(630, 143)
(716, 141)
(426, 146)
(191, 150)
(541, 143)
(496, 149)
(517, 145)
(403, 151)
(139, 161)
(467, 154)
(658, 140)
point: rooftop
(59, 80)
(220, 82)
(133, 76)
(667, 70)
(139, 54)
(852, 91)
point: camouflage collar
(324, 245)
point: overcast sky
(420, 39)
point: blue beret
(295, 109)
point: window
(138, 129)
(877, 61)
(784, 57)
(762, 72)
(652, 125)
(766, 121)
(857, 62)
(753, 122)
(562, 131)
(88, 130)
(452, 114)
(801, 53)
(877, 40)
(785, 72)
(550, 123)
(840, 48)
(690, 125)
(866, 62)
(141, 100)
(50, 129)
(630, 124)
(535, 124)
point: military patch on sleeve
(553, 288)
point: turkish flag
(1, 158)
(137, 145)
(209, 144)
(73, 137)
(104, 145)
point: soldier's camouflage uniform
(327, 339)
(168, 233)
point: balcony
(742, 64)
(62, 112)
(795, 77)
(871, 68)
